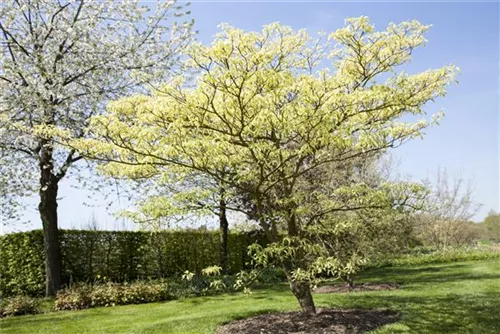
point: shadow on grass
(249, 314)
(452, 313)
(425, 274)
(272, 287)
(427, 305)
(258, 292)
(48, 317)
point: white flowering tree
(264, 108)
(13, 189)
(60, 62)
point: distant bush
(103, 293)
(427, 256)
(271, 275)
(83, 296)
(19, 305)
(75, 298)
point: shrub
(144, 292)
(109, 294)
(83, 296)
(208, 283)
(20, 305)
(75, 298)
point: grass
(423, 256)
(454, 298)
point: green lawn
(454, 298)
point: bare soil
(331, 321)
(342, 288)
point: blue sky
(463, 33)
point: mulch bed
(329, 321)
(341, 288)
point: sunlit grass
(446, 298)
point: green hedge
(118, 255)
(22, 267)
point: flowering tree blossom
(60, 62)
(13, 188)
(264, 109)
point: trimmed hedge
(118, 255)
(22, 268)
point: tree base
(325, 321)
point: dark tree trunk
(223, 232)
(48, 214)
(302, 291)
(350, 282)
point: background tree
(261, 108)
(451, 205)
(60, 61)
(12, 187)
(179, 198)
(355, 238)
(492, 226)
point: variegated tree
(274, 108)
(60, 62)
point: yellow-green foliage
(256, 90)
(271, 109)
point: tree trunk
(350, 282)
(48, 214)
(302, 291)
(223, 232)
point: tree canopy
(283, 114)
(60, 62)
(492, 224)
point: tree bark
(223, 232)
(302, 291)
(48, 214)
(350, 282)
